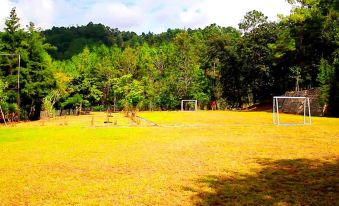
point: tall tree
(188, 72)
(13, 41)
(252, 20)
(37, 77)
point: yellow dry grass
(192, 158)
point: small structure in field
(297, 103)
(189, 105)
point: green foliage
(99, 108)
(296, 74)
(3, 86)
(135, 94)
(72, 40)
(9, 109)
(47, 105)
(97, 66)
(222, 104)
(188, 73)
(74, 101)
(252, 20)
(327, 81)
(284, 44)
(129, 92)
(36, 78)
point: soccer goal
(189, 105)
(291, 105)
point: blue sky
(139, 16)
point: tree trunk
(31, 109)
(37, 110)
(297, 85)
(3, 116)
(80, 109)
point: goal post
(302, 103)
(189, 105)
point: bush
(5, 107)
(222, 104)
(99, 108)
(48, 107)
(12, 108)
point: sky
(139, 15)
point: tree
(296, 74)
(14, 35)
(128, 62)
(129, 92)
(85, 81)
(37, 77)
(154, 71)
(12, 41)
(188, 72)
(312, 25)
(327, 80)
(252, 20)
(151, 66)
(75, 102)
(3, 98)
(105, 69)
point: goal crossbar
(305, 103)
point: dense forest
(98, 67)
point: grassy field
(191, 158)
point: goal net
(291, 105)
(189, 105)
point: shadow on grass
(283, 182)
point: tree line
(97, 67)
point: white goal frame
(275, 110)
(189, 100)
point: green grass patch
(192, 158)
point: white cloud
(141, 15)
(40, 12)
(229, 12)
(5, 8)
(115, 14)
(200, 13)
(193, 17)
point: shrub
(99, 108)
